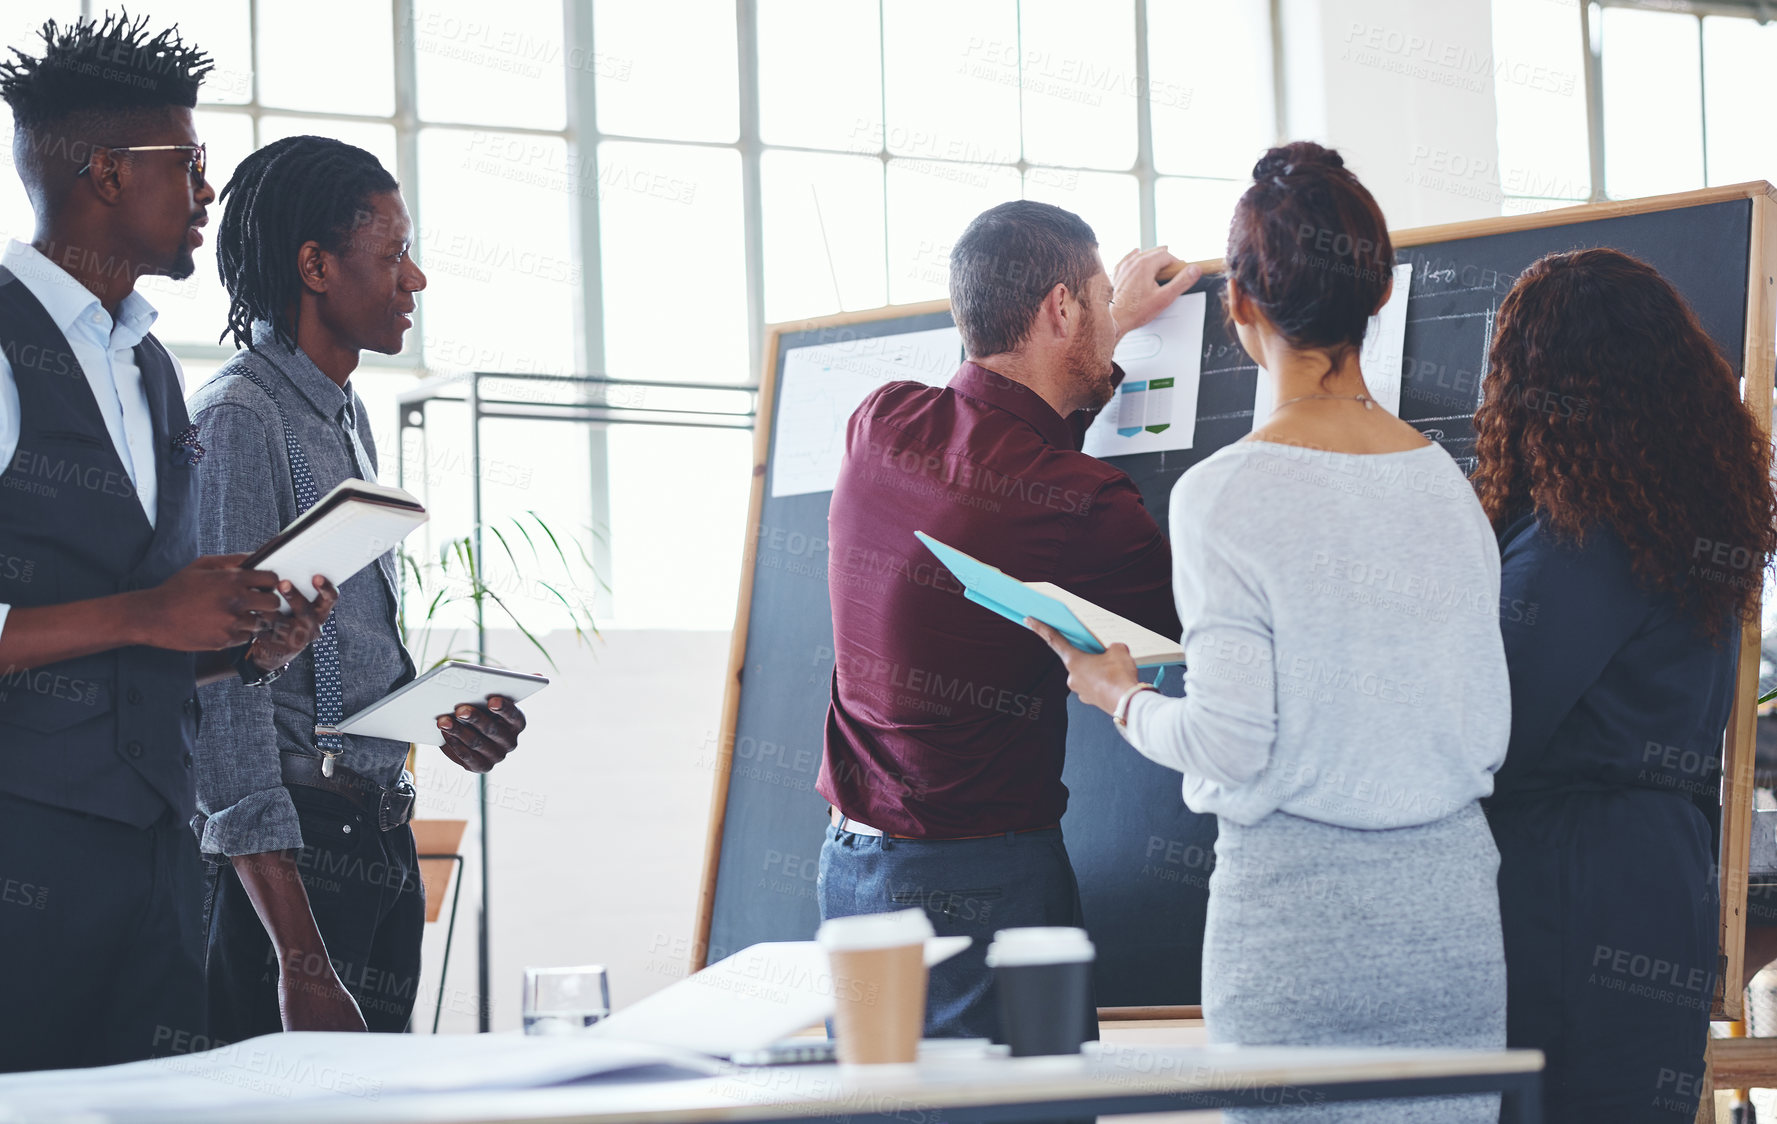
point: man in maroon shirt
(948, 723)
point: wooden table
(959, 1090)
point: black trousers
(1608, 903)
(369, 904)
(100, 939)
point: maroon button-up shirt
(947, 719)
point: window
(720, 195)
(1704, 105)
(932, 112)
(1540, 92)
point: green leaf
(528, 635)
(510, 557)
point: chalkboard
(1142, 858)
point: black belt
(391, 807)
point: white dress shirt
(105, 350)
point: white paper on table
(1156, 406)
(1381, 359)
(822, 386)
(747, 1001)
(327, 1068)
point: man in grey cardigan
(316, 905)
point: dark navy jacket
(1612, 686)
(109, 734)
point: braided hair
(292, 191)
(98, 82)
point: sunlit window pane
(19, 22)
(16, 219)
(668, 70)
(1107, 201)
(1192, 216)
(1078, 82)
(823, 234)
(1739, 58)
(378, 140)
(330, 56)
(493, 64)
(21, 19)
(1540, 89)
(949, 96)
(673, 263)
(677, 569)
(929, 204)
(542, 467)
(192, 311)
(500, 296)
(1209, 69)
(220, 27)
(1653, 113)
(820, 74)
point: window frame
(582, 136)
(1592, 44)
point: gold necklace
(1369, 403)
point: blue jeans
(968, 887)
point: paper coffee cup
(879, 984)
(1042, 978)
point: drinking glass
(565, 1000)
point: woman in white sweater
(1346, 700)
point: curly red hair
(1606, 404)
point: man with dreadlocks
(108, 618)
(317, 905)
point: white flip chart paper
(822, 386)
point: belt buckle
(396, 806)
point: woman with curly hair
(1630, 488)
(1346, 699)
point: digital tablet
(411, 713)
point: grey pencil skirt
(1330, 936)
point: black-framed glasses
(199, 156)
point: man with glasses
(108, 618)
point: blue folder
(1010, 598)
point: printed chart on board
(1384, 349)
(1155, 408)
(822, 387)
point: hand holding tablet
(431, 711)
(480, 737)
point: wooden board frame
(1758, 361)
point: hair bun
(1297, 156)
